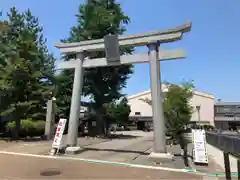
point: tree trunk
(16, 131)
(101, 121)
(105, 127)
(100, 126)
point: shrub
(39, 127)
(28, 127)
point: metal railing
(224, 118)
(229, 144)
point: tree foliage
(177, 110)
(103, 84)
(117, 112)
(26, 67)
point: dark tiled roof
(227, 103)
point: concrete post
(75, 103)
(49, 120)
(159, 150)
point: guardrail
(224, 118)
(229, 144)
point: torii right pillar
(159, 153)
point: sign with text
(59, 133)
(199, 146)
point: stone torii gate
(111, 46)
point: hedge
(28, 127)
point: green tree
(64, 92)
(103, 84)
(26, 69)
(117, 112)
(3, 50)
(177, 110)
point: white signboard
(59, 133)
(199, 146)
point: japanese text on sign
(199, 146)
(59, 133)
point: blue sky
(212, 46)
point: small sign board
(199, 146)
(59, 133)
(112, 47)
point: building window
(137, 113)
(223, 110)
(237, 109)
(227, 109)
(228, 115)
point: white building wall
(206, 103)
(138, 105)
(204, 100)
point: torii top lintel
(162, 36)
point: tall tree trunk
(99, 122)
(105, 128)
(102, 128)
(99, 125)
(16, 131)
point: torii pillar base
(159, 158)
(73, 150)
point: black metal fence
(229, 144)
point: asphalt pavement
(133, 148)
(25, 167)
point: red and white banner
(59, 133)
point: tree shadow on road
(116, 150)
(119, 136)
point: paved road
(134, 149)
(22, 167)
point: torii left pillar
(75, 106)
